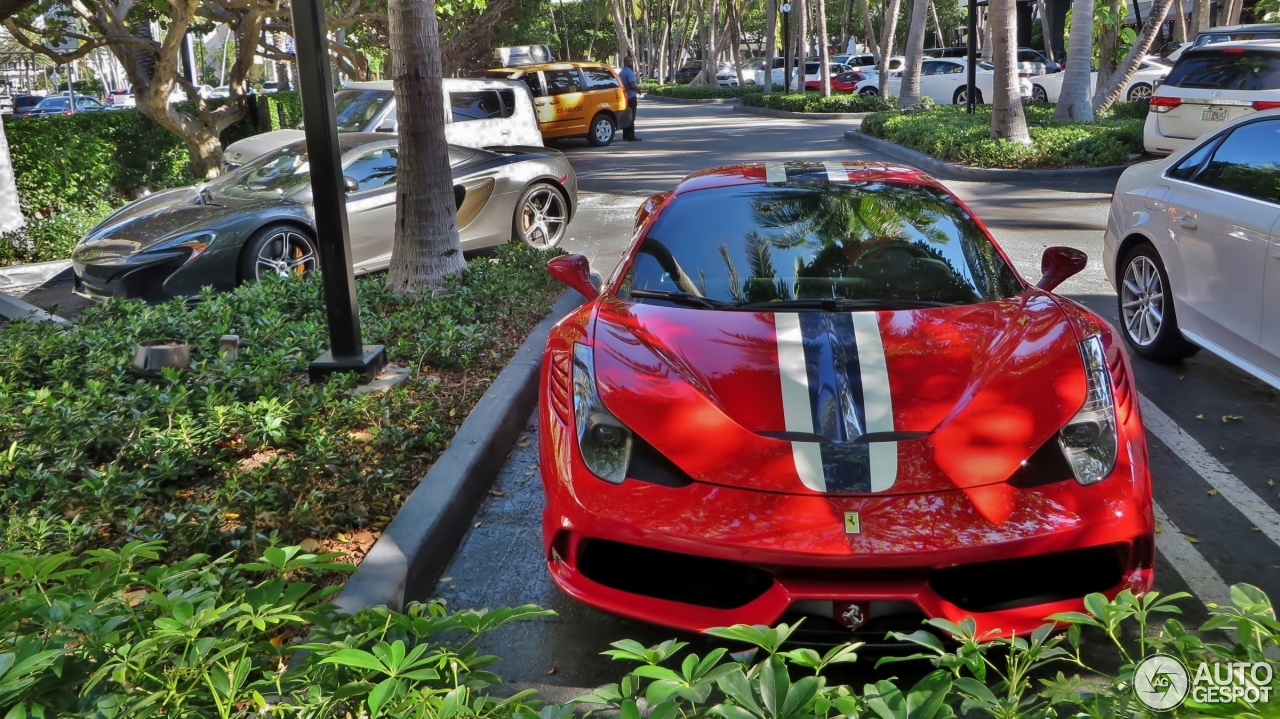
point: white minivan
(481, 112)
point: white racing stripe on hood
(796, 414)
(775, 173)
(836, 171)
(877, 402)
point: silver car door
(371, 207)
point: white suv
(1208, 86)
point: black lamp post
(786, 49)
(315, 83)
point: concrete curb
(691, 101)
(405, 561)
(12, 308)
(771, 112)
(23, 277)
(950, 171)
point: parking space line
(1183, 446)
(1201, 578)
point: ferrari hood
(890, 402)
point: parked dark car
(24, 104)
(686, 74)
(61, 105)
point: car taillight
(1261, 105)
(66, 112)
(1024, 75)
(1164, 104)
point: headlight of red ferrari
(1089, 440)
(605, 443)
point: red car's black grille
(675, 577)
(1011, 583)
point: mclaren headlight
(196, 243)
(605, 443)
(1089, 440)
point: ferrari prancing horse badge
(852, 525)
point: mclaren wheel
(279, 250)
(542, 216)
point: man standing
(630, 84)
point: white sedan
(1151, 72)
(1193, 249)
(944, 80)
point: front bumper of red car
(702, 555)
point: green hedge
(73, 170)
(949, 133)
(704, 92)
(815, 102)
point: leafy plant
(814, 102)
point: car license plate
(1214, 114)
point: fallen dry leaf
(478, 525)
(1182, 376)
(1271, 483)
(309, 545)
(362, 437)
(524, 444)
(1232, 417)
(1212, 492)
(1199, 416)
(496, 493)
(1191, 539)
(1256, 529)
(446, 579)
(552, 670)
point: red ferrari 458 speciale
(821, 389)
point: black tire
(601, 130)
(282, 249)
(1145, 307)
(1140, 91)
(1039, 94)
(960, 99)
(541, 217)
(869, 91)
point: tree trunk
(620, 28)
(846, 7)
(770, 42)
(909, 95)
(1073, 103)
(800, 9)
(1179, 21)
(1199, 17)
(709, 56)
(1108, 93)
(886, 43)
(873, 44)
(426, 246)
(824, 67)
(988, 46)
(937, 26)
(1008, 122)
(1046, 29)
(1233, 12)
(10, 211)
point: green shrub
(814, 102)
(44, 239)
(118, 633)
(704, 92)
(222, 456)
(949, 133)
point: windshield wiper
(682, 298)
(842, 304)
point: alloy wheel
(543, 218)
(285, 254)
(604, 130)
(1039, 94)
(1141, 91)
(1142, 301)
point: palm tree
(1073, 103)
(824, 66)
(426, 246)
(10, 213)
(909, 94)
(770, 43)
(1008, 122)
(886, 43)
(1105, 96)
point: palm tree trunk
(1108, 93)
(1073, 103)
(770, 42)
(1199, 17)
(937, 26)
(426, 247)
(846, 6)
(1008, 122)
(825, 70)
(873, 44)
(909, 95)
(10, 211)
(1046, 29)
(886, 43)
(712, 56)
(620, 29)
(800, 10)
(1179, 21)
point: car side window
(475, 105)
(373, 169)
(950, 68)
(599, 78)
(562, 82)
(1247, 162)
(929, 68)
(535, 84)
(1191, 163)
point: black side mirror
(349, 184)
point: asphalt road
(1211, 428)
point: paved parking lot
(1210, 427)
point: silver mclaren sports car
(258, 219)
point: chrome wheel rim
(543, 218)
(1140, 92)
(1039, 94)
(1142, 301)
(285, 254)
(604, 131)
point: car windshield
(1228, 69)
(276, 174)
(355, 109)
(872, 244)
(54, 103)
